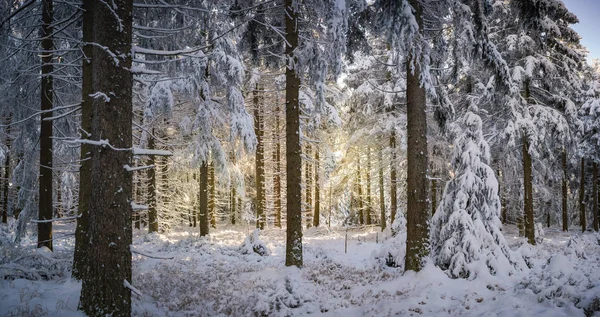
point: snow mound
(393, 250)
(253, 244)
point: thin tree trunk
(259, 163)
(433, 195)
(277, 176)
(82, 242)
(369, 198)
(502, 196)
(293, 247)
(308, 177)
(58, 210)
(47, 98)
(6, 181)
(565, 214)
(381, 191)
(165, 190)
(212, 201)
(152, 201)
(393, 189)
(528, 187)
(232, 193)
(103, 291)
(317, 209)
(361, 216)
(595, 194)
(203, 212)
(417, 237)
(582, 217)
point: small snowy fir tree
(465, 229)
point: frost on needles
(466, 237)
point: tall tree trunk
(58, 208)
(417, 161)
(203, 212)
(582, 217)
(164, 189)
(82, 242)
(47, 98)
(152, 201)
(595, 194)
(393, 179)
(259, 162)
(433, 195)
(369, 198)
(293, 247)
(6, 180)
(138, 197)
(565, 188)
(308, 177)
(103, 289)
(361, 215)
(502, 196)
(277, 176)
(317, 211)
(381, 189)
(196, 204)
(232, 193)
(528, 186)
(213, 200)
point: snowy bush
(33, 264)
(539, 233)
(393, 250)
(465, 228)
(253, 244)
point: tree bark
(308, 177)
(277, 176)
(417, 161)
(565, 213)
(361, 215)
(369, 200)
(259, 162)
(203, 199)
(317, 209)
(45, 211)
(433, 195)
(393, 179)
(6, 180)
(152, 201)
(293, 247)
(528, 194)
(595, 194)
(103, 289)
(381, 191)
(212, 202)
(80, 263)
(582, 217)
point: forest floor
(219, 277)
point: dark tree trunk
(82, 242)
(433, 195)
(565, 188)
(103, 289)
(582, 217)
(393, 179)
(58, 208)
(196, 204)
(203, 212)
(317, 211)
(259, 162)
(165, 190)
(528, 187)
(417, 162)
(308, 177)
(361, 215)
(381, 193)
(47, 98)
(6, 180)
(502, 196)
(213, 199)
(232, 194)
(277, 176)
(152, 201)
(595, 194)
(293, 247)
(369, 202)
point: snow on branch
(137, 168)
(135, 206)
(138, 151)
(132, 288)
(149, 255)
(142, 50)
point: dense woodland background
(444, 120)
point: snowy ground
(213, 277)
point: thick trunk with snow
(203, 199)
(109, 255)
(47, 100)
(293, 247)
(417, 186)
(528, 194)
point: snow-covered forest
(287, 157)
